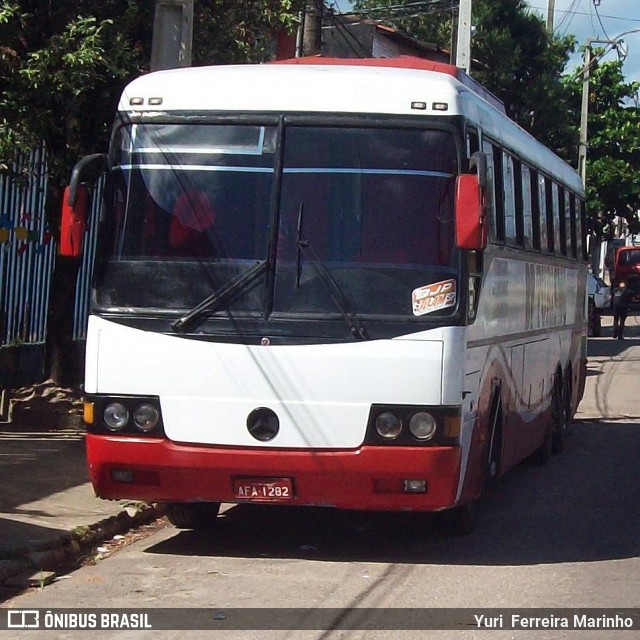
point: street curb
(70, 546)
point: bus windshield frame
(372, 200)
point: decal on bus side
(433, 297)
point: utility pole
(551, 8)
(589, 59)
(463, 46)
(312, 28)
(172, 34)
(584, 114)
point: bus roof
(405, 85)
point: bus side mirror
(73, 221)
(471, 232)
(75, 203)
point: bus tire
(458, 521)
(493, 447)
(192, 515)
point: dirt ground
(45, 406)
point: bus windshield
(194, 206)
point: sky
(584, 19)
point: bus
(324, 282)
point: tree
(63, 66)
(228, 31)
(613, 161)
(513, 56)
(62, 69)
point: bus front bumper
(369, 478)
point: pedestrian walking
(620, 301)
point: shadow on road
(32, 468)
(581, 507)
(605, 346)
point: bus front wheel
(192, 515)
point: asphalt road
(566, 534)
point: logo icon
(23, 619)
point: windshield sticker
(433, 297)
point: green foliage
(613, 161)
(513, 56)
(63, 65)
(228, 31)
(61, 69)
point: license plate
(263, 489)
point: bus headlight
(388, 425)
(145, 416)
(422, 425)
(116, 416)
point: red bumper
(369, 478)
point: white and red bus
(347, 283)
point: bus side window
(548, 207)
(495, 208)
(562, 220)
(542, 203)
(499, 193)
(510, 228)
(576, 226)
(570, 213)
(583, 230)
(555, 202)
(535, 209)
(528, 237)
(473, 142)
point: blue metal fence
(27, 252)
(27, 260)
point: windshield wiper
(212, 302)
(340, 300)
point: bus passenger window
(534, 192)
(577, 220)
(495, 206)
(510, 228)
(517, 197)
(542, 203)
(473, 143)
(549, 210)
(583, 230)
(562, 228)
(499, 193)
(570, 223)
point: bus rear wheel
(192, 515)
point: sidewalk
(49, 515)
(606, 377)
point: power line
(410, 9)
(596, 3)
(584, 13)
(568, 16)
